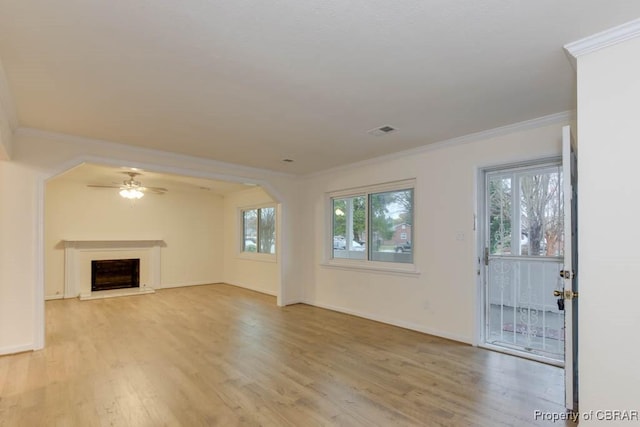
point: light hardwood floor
(221, 355)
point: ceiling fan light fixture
(131, 188)
(131, 193)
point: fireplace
(115, 274)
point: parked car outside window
(405, 247)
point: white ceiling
(254, 82)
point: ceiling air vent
(382, 130)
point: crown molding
(562, 117)
(603, 39)
(124, 148)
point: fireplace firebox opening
(115, 274)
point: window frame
(515, 174)
(258, 256)
(367, 264)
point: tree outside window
(370, 226)
(525, 211)
(259, 230)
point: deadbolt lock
(566, 274)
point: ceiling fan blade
(157, 189)
(103, 186)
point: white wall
(260, 272)
(609, 212)
(189, 223)
(5, 137)
(18, 251)
(7, 118)
(442, 299)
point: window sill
(252, 256)
(369, 267)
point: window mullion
(516, 229)
(367, 225)
(258, 219)
(349, 224)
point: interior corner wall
(257, 272)
(5, 142)
(609, 236)
(442, 299)
(18, 271)
(189, 223)
(5, 136)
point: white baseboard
(253, 288)
(184, 284)
(52, 297)
(115, 293)
(394, 322)
(294, 301)
(16, 349)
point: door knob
(565, 294)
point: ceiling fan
(132, 188)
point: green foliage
(381, 220)
(405, 200)
(359, 218)
(358, 211)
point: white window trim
(364, 265)
(255, 256)
(395, 268)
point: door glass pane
(500, 200)
(541, 213)
(391, 226)
(349, 227)
(267, 227)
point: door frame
(481, 269)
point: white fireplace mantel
(79, 254)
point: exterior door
(523, 255)
(569, 292)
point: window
(259, 230)
(525, 212)
(373, 224)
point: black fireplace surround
(115, 274)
